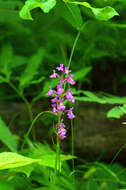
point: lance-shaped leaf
(6, 137)
(9, 160)
(44, 5)
(6, 57)
(13, 160)
(31, 69)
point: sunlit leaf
(116, 112)
(44, 5)
(6, 137)
(105, 13)
(13, 160)
(49, 160)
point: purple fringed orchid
(60, 95)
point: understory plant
(35, 166)
(61, 94)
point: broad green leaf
(44, 5)
(9, 160)
(71, 13)
(13, 160)
(31, 69)
(6, 137)
(105, 13)
(116, 112)
(49, 160)
(46, 155)
(6, 57)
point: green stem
(69, 64)
(28, 105)
(57, 164)
(57, 161)
(31, 126)
(75, 43)
(24, 99)
(118, 153)
(72, 134)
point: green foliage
(6, 57)
(88, 176)
(71, 13)
(13, 160)
(105, 13)
(105, 99)
(40, 154)
(115, 112)
(81, 74)
(45, 6)
(6, 137)
(29, 53)
(31, 69)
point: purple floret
(60, 95)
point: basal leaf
(46, 155)
(44, 5)
(105, 13)
(13, 160)
(9, 160)
(6, 137)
